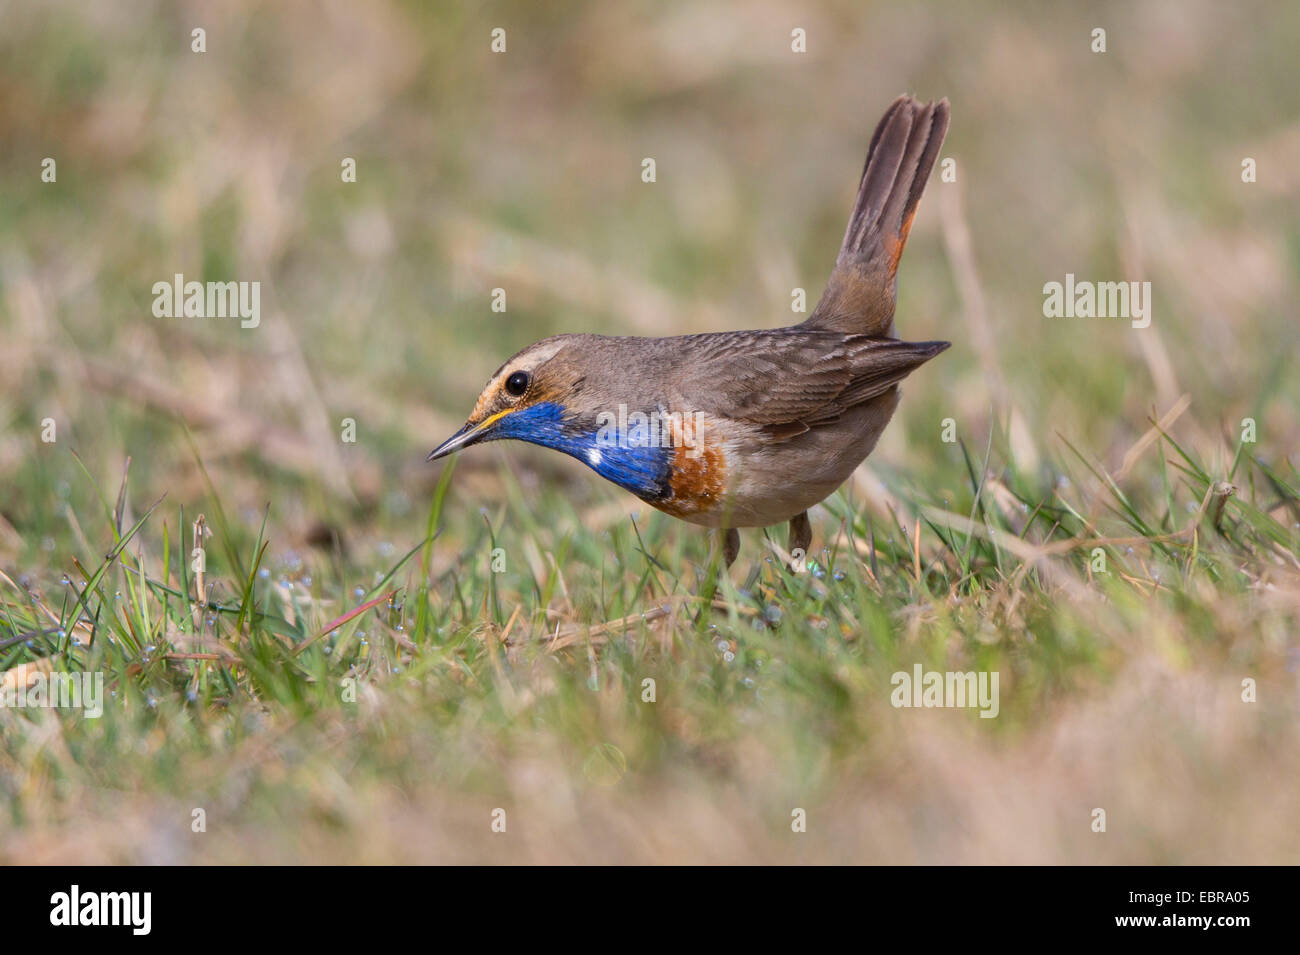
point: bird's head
(526, 398)
(554, 394)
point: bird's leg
(730, 545)
(800, 536)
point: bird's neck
(643, 470)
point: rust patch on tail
(894, 249)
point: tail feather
(859, 298)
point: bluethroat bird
(740, 429)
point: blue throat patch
(645, 471)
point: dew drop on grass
(773, 613)
(67, 579)
(358, 592)
(728, 656)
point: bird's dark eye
(517, 384)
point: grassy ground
(1104, 531)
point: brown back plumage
(859, 297)
(792, 379)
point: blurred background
(521, 170)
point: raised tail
(859, 298)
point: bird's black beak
(461, 439)
(472, 433)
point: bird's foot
(800, 539)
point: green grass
(350, 679)
(456, 674)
